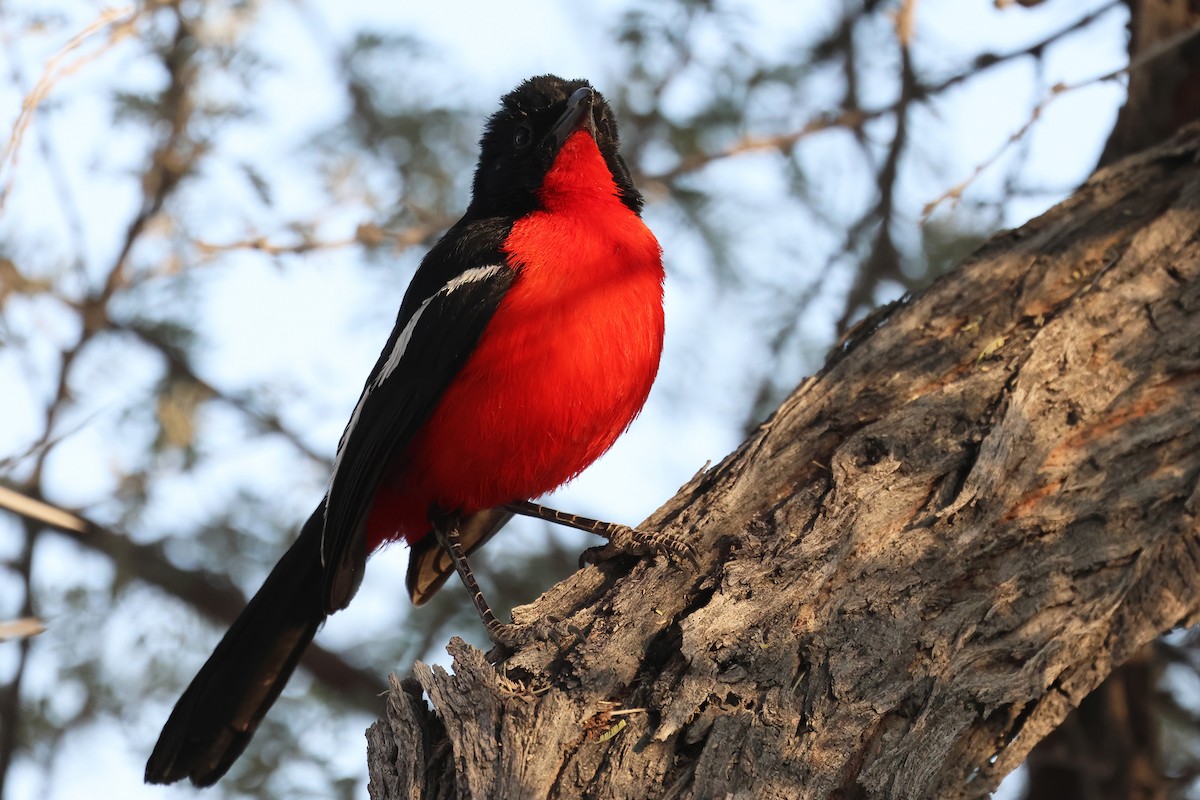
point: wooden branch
(1110, 747)
(930, 553)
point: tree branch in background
(10, 693)
(118, 23)
(1136, 65)
(211, 594)
(20, 628)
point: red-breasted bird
(525, 345)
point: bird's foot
(624, 540)
(510, 637)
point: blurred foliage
(179, 166)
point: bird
(525, 345)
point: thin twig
(905, 19)
(954, 193)
(852, 118)
(855, 118)
(120, 21)
(986, 61)
(367, 234)
(883, 262)
(22, 628)
(39, 511)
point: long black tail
(217, 715)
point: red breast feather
(563, 367)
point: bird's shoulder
(472, 244)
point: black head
(521, 140)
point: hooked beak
(578, 115)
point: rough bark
(912, 571)
(1110, 747)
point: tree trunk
(1164, 89)
(910, 574)
(1110, 748)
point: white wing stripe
(398, 350)
(476, 274)
(471, 275)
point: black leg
(621, 537)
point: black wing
(449, 303)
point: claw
(510, 637)
(624, 540)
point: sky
(491, 47)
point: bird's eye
(523, 135)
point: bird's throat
(579, 175)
